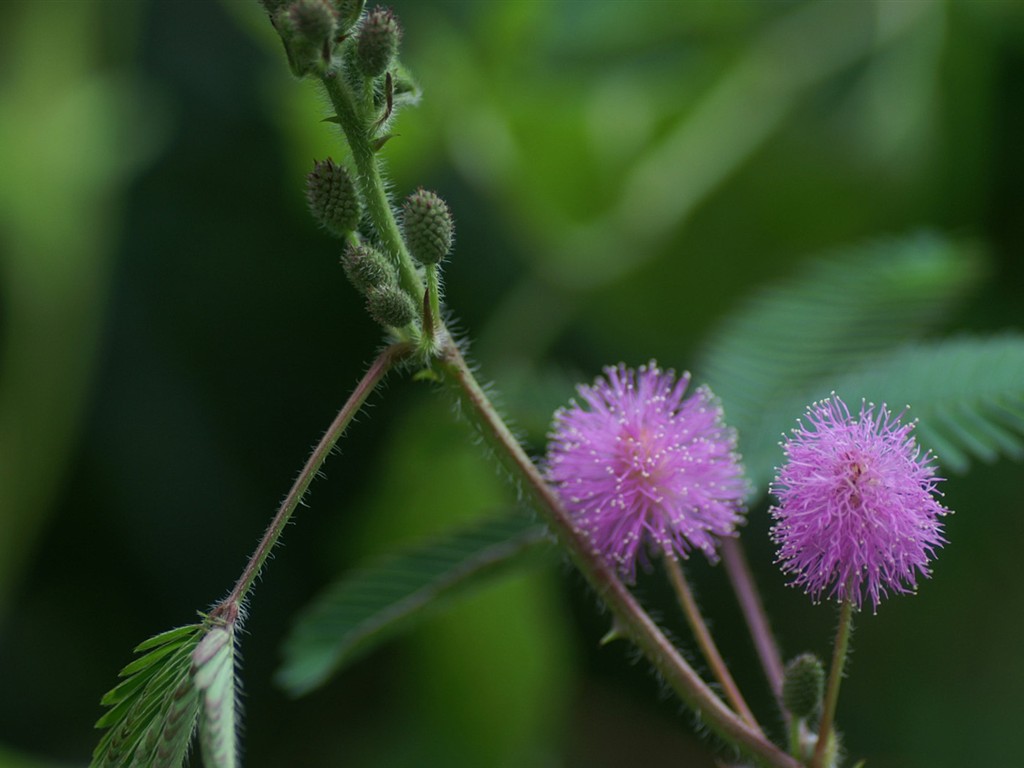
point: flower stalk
(228, 609)
(835, 677)
(707, 644)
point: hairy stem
(753, 611)
(357, 127)
(630, 616)
(707, 644)
(835, 677)
(228, 609)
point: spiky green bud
(428, 227)
(803, 685)
(332, 197)
(308, 29)
(377, 42)
(349, 12)
(367, 268)
(390, 306)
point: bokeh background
(176, 333)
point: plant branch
(634, 621)
(227, 610)
(707, 643)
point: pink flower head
(857, 514)
(644, 468)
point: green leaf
(373, 604)
(214, 676)
(153, 711)
(840, 313)
(966, 393)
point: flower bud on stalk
(308, 29)
(390, 306)
(377, 42)
(367, 268)
(803, 685)
(332, 197)
(427, 223)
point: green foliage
(792, 341)
(214, 665)
(374, 603)
(153, 711)
(967, 393)
(184, 676)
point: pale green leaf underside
(153, 711)
(838, 315)
(214, 676)
(374, 603)
(966, 393)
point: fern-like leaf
(153, 711)
(966, 393)
(214, 676)
(839, 314)
(374, 603)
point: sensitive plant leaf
(966, 393)
(214, 676)
(839, 314)
(373, 604)
(153, 711)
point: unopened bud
(377, 42)
(349, 12)
(308, 29)
(332, 197)
(803, 685)
(367, 268)
(428, 227)
(390, 306)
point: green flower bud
(332, 197)
(367, 268)
(349, 12)
(377, 42)
(308, 29)
(803, 685)
(390, 306)
(428, 227)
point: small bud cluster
(375, 277)
(428, 227)
(377, 42)
(803, 685)
(332, 197)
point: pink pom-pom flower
(641, 468)
(857, 516)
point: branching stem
(630, 616)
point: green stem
(835, 677)
(357, 126)
(707, 644)
(434, 291)
(629, 615)
(229, 608)
(794, 737)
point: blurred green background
(176, 333)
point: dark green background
(177, 333)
